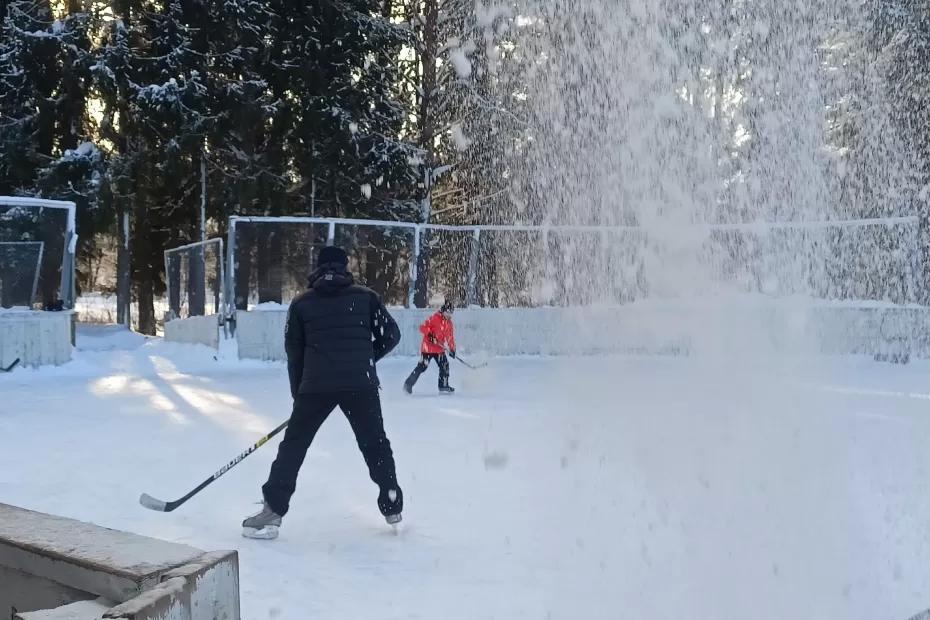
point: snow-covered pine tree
(28, 76)
(44, 59)
(240, 35)
(45, 147)
(335, 133)
(456, 81)
(344, 144)
(900, 38)
(156, 115)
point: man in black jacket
(335, 334)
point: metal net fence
(381, 256)
(270, 259)
(530, 266)
(52, 225)
(195, 279)
(857, 260)
(20, 264)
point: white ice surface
(645, 488)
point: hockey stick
(467, 365)
(161, 506)
(11, 366)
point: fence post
(548, 274)
(173, 308)
(35, 278)
(471, 292)
(229, 297)
(608, 274)
(331, 234)
(414, 261)
(923, 253)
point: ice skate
(262, 526)
(444, 387)
(391, 504)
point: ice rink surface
(621, 487)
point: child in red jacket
(438, 338)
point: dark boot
(444, 387)
(415, 376)
(411, 381)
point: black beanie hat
(330, 254)
(447, 306)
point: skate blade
(393, 519)
(269, 532)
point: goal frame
(221, 309)
(68, 284)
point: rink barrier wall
(36, 338)
(53, 567)
(679, 329)
(204, 330)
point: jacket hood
(330, 278)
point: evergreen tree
(45, 147)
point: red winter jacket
(441, 328)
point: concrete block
(206, 589)
(35, 338)
(72, 570)
(24, 592)
(203, 330)
(85, 557)
(83, 610)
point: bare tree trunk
(429, 53)
(145, 271)
(270, 265)
(124, 270)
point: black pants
(363, 410)
(441, 360)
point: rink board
(35, 338)
(681, 329)
(56, 567)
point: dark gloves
(452, 353)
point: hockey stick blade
(159, 506)
(11, 366)
(153, 504)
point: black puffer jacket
(335, 333)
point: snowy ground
(584, 488)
